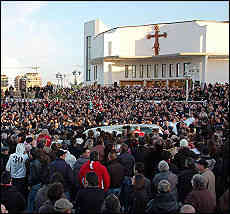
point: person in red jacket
(94, 165)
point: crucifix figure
(156, 35)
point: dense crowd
(50, 165)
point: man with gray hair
(187, 208)
(200, 197)
(165, 173)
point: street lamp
(188, 76)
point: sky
(50, 34)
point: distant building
(4, 82)
(17, 82)
(195, 50)
(33, 80)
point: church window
(141, 71)
(126, 71)
(134, 71)
(170, 70)
(163, 70)
(148, 70)
(177, 69)
(156, 71)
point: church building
(159, 54)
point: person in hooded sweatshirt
(16, 165)
(94, 165)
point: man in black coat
(4, 157)
(90, 199)
(127, 160)
(59, 165)
(184, 179)
(13, 200)
(116, 172)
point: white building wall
(181, 37)
(97, 49)
(112, 40)
(92, 28)
(217, 71)
(218, 38)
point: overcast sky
(50, 34)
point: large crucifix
(156, 35)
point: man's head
(124, 148)
(163, 186)
(94, 156)
(61, 154)
(163, 166)
(86, 153)
(55, 191)
(63, 206)
(198, 182)
(139, 167)
(91, 179)
(201, 165)
(112, 155)
(5, 150)
(187, 208)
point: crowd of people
(50, 165)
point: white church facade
(197, 51)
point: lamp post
(188, 76)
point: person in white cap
(183, 153)
(63, 205)
(187, 208)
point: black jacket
(13, 200)
(128, 161)
(181, 156)
(35, 172)
(138, 201)
(162, 203)
(184, 183)
(59, 165)
(89, 200)
(116, 172)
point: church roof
(163, 23)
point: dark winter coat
(181, 156)
(4, 159)
(202, 200)
(76, 168)
(184, 183)
(116, 172)
(172, 178)
(59, 165)
(42, 197)
(151, 161)
(137, 201)
(89, 200)
(47, 207)
(128, 161)
(162, 203)
(13, 200)
(35, 172)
